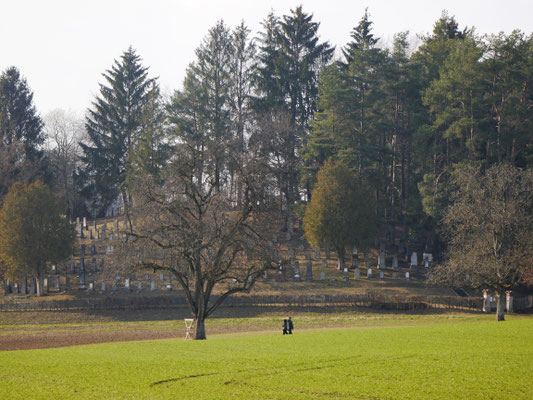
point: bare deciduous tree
(194, 231)
(489, 227)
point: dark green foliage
(19, 121)
(113, 124)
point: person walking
(290, 325)
(285, 326)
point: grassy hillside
(477, 360)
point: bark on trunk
(500, 306)
(40, 284)
(199, 333)
(340, 262)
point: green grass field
(464, 360)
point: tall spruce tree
(21, 132)
(112, 124)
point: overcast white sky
(63, 46)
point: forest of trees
(403, 120)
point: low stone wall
(368, 300)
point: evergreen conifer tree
(113, 123)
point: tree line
(402, 120)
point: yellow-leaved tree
(33, 232)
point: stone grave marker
(288, 236)
(395, 262)
(395, 275)
(84, 222)
(169, 287)
(53, 269)
(297, 277)
(367, 260)
(93, 249)
(345, 274)
(91, 286)
(509, 301)
(322, 276)
(161, 276)
(324, 263)
(381, 274)
(369, 273)
(139, 287)
(127, 284)
(301, 247)
(414, 260)
(152, 286)
(407, 275)
(357, 274)
(291, 253)
(309, 271)
(381, 259)
(57, 284)
(102, 287)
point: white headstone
(102, 289)
(152, 286)
(381, 275)
(369, 273)
(414, 259)
(127, 284)
(407, 275)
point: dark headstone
(309, 271)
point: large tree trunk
(500, 306)
(340, 262)
(40, 284)
(199, 333)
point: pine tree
(113, 123)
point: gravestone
(345, 274)
(274, 238)
(161, 276)
(91, 286)
(93, 249)
(146, 277)
(322, 276)
(102, 287)
(307, 256)
(354, 253)
(288, 236)
(84, 222)
(57, 285)
(291, 253)
(139, 287)
(381, 260)
(297, 277)
(169, 287)
(98, 234)
(486, 301)
(324, 263)
(369, 273)
(90, 234)
(395, 262)
(414, 260)
(381, 274)
(357, 273)
(395, 275)
(152, 286)
(45, 284)
(354, 262)
(53, 269)
(367, 260)
(265, 274)
(509, 301)
(407, 275)
(309, 271)
(301, 247)
(127, 284)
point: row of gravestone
(357, 274)
(95, 233)
(427, 258)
